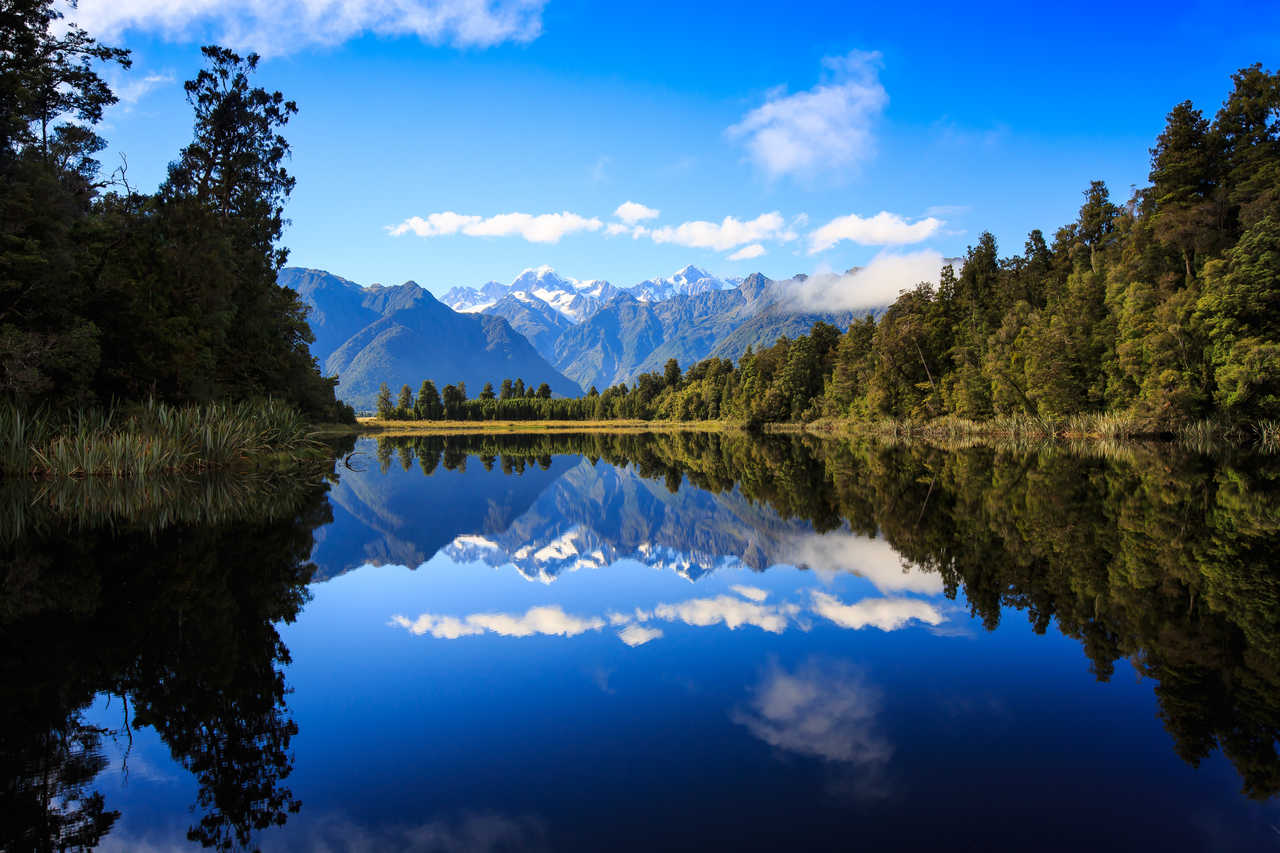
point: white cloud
(283, 26)
(546, 620)
(726, 234)
(887, 614)
(883, 229)
(542, 228)
(826, 127)
(746, 253)
(873, 559)
(545, 228)
(733, 612)
(615, 229)
(632, 212)
(130, 90)
(825, 711)
(638, 635)
(754, 593)
(875, 285)
(434, 225)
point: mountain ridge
(401, 335)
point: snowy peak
(689, 281)
(574, 300)
(468, 300)
(577, 300)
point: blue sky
(829, 133)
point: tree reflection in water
(164, 596)
(1153, 553)
(167, 595)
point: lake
(640, 642)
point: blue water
(577, 659)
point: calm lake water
(648, 643)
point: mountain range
(570, 514)
(599, 334)
(402, 335)
(542, 327)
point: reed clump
(150, 439)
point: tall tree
(385, 410)
(1182, 184)
(1240, 309)
(49, 347)
(427, 405)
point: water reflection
(171, 599)
(886, 614)
(169, 610)
(827, 710)
(1139, 552)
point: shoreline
(375, 427)
(1092, 428)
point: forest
(110, 297)
(1146, 316)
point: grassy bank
(375, 426)
(154, 438)
(1206, 434)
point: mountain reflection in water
(170, 603)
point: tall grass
(1268, 434)
(148, 439)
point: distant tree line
(109, 294)
(512, 401)
(1164, 309)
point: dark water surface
(648, 643)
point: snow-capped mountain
(577, 300)
(468, 300)
(572, 299)
(686, 282)
(595, 515)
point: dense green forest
(109, 295)
(1163, 311)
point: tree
(427, 406)
(453, 398)
(1240, 310)
(544, 391)
(486, 393)
(1182, 184)
(385, 410)
(1097, 222)
(505, 391)
(404, 406)
(47, 76)
(50, 347)
(1248, 128)
(205, 251)
(671, 373)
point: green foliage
(1240, 310)
(384, 408)
(111, 295)
(151, 438)
(168, 597)
(1146, 317)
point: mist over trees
(108, 294)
